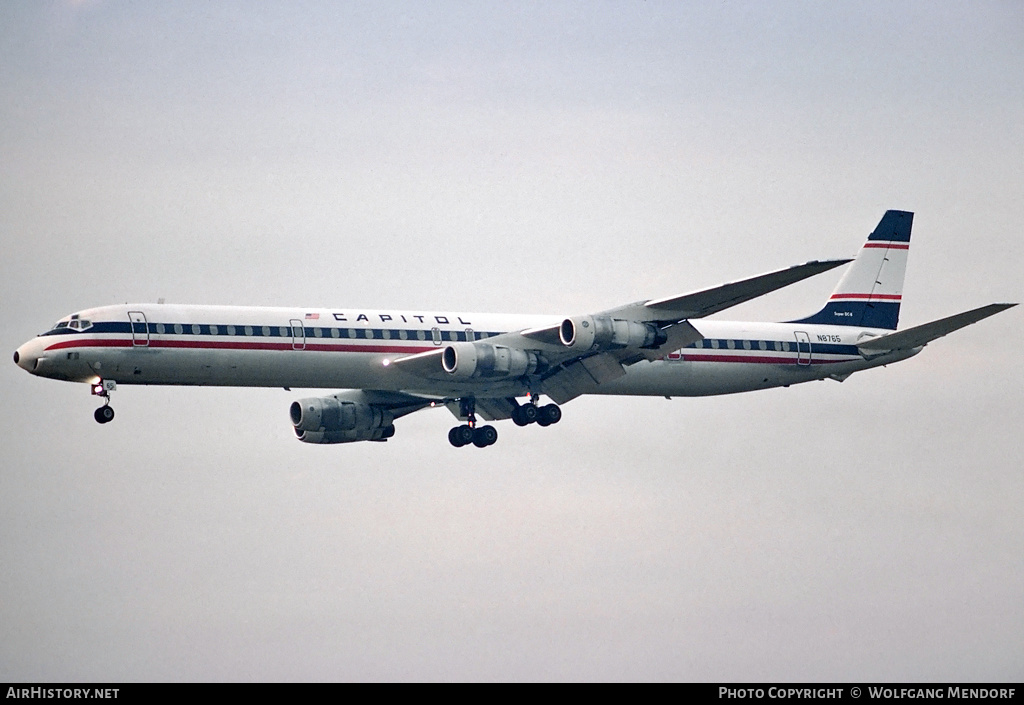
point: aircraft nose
(25, 359)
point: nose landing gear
(102, 389)
(104, 414)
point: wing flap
(568, 383)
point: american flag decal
(312, 316)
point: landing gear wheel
(460, 436)
(484, 436)
(524, 415)
(104, 414)
(547, 415)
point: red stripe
(91, 343)
(887, 245)
(883, 297)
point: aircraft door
(140, 329)
(298, 334)
(803, 348)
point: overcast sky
(556, 158)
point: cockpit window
(77, 324)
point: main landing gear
(102, 389)
(480, 436)
(533, 413)
(483, 436)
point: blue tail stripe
(876, 314)
(894, 226)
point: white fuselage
(350, 349)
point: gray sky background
(549, 158)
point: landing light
(387, 362)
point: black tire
(549, 414)
(460, 436)
(530, 413)
(484, 436)
(104, 414)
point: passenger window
(178, 328)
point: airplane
(393, 363)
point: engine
(337, 420)
(466, 360)
(606, 333)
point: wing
(699, 304)
(573, 357)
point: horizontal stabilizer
(922, 335)
(704, 303)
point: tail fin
(869, 294)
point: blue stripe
(785, 346)
(894, 226)
(861, 314)
(275, 331)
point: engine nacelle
(466, 360)
(336, 420)
(606, 333)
